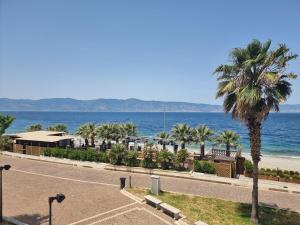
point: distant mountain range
(113, 105)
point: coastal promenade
(37, 176)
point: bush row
(204, 167)
(77, 154)
(119, 155)
(272, 172)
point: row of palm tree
(56, 127)
(108, 132)
(185, 134)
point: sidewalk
(242, 181)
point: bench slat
(170, 208)
(152, 199)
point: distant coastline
(115, 105)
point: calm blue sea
(281, 131)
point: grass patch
(220, 212)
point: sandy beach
(281, 162)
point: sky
(151, 50)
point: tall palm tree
(201, 134)
(34, 127)
(253, 84)
(110, 131)
(229, 138)
(164, 136)
(128, 129)
(182, 133)
(87, 131)
(58, 127)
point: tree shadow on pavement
(32, 219)
(271, 216)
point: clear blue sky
(147, 49)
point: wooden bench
(171, 210)
(154, 201)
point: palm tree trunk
(93, 141)
(183, 145)
(227, 149)
(202, 151)
(255, 144)
(164, 146)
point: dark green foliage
(166, 159)
(131, 158)
(59, 128)
(5, 122)
(5, 143)
(182, 156)
(149, 159)
(34, 127)
(117, 154)
(204, 167)
(248, 166)
(76, 154)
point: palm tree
(5, 122)
(59, 128)
(229, 138)
(201, 134)
(87, 131)
(182, 133)
(255, 83)
(128, 129)
(164, 136)
(34, 127)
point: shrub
(149, 160)
(182, 156)
(116, 154)
(204, 167)
(47, 152)
(74, 155)
(166, 159)
(91, 155)
(131, 158)
(5, 143)
(248, 166)
(101, 157)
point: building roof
(43, 136)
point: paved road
(222, 191)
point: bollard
(129, 181)
(122, 182)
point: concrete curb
(131, 196)
(295, 189)
(160, 173)
(13, 221)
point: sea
(280, 132)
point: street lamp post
(59, 198)
(5, 167)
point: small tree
(5, 122)
(201, 134)
(117, 154)
(164, 136)
(34, 127)
(131, 158)
(166, 159)
(182, 133)
(182, 156)
(149, 157)
(229, 138)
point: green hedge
(280, 173)
(204, 167)
(77, 154)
